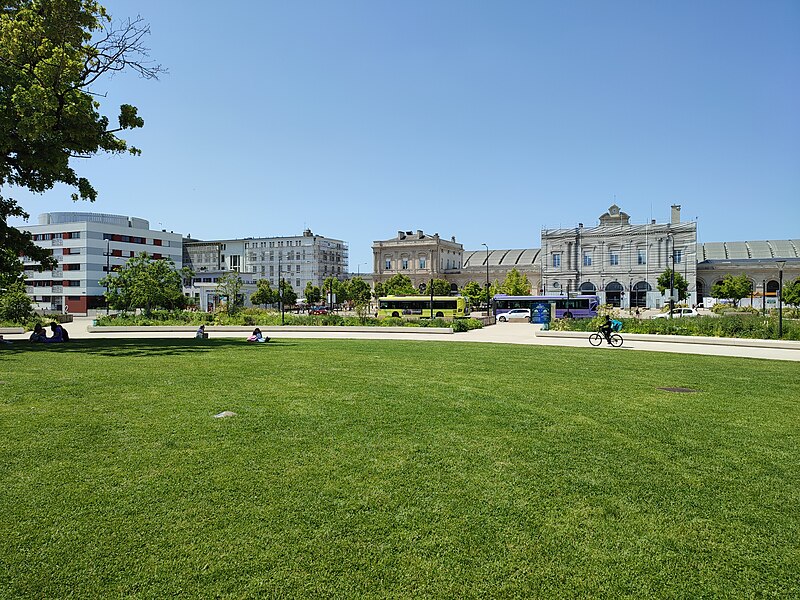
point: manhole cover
(678, 389)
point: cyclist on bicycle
(605, 329)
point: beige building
(418, 255)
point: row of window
(404, 263)
(50, 283)
(278, 244)
(614, 258)
(64, 235)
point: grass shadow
(139, 346)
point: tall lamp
(487, 278)
(781, 264)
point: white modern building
(296, 259)
(87, 246)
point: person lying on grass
(258, 336)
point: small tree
(289, 295)
(264, 294)
(732, 288)
(359, 293)
(15, 305)
(312, 293)
(440, 287)
(516, 284)
(398, 285)
(791, 293)
(145, 283)
(680, 285)
(474, 292)
(229, 285)
(331, 284)
(378, 290)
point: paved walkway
(501, 333)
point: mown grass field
(394, 469)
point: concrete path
(501, 333)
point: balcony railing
(29, 289)
(58, 272)
(57, 242)
(57, 289)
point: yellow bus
(419, 307)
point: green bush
(745, 325)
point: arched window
(639, 294)
(772, 287)
(701, 290)
(614, 292)
(588, 287)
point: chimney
(420, 235)
(401, 235)
(676, 214)
(653, 222)
(580, 225)
(453, 238)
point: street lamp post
(487, 278)
(108, 271)
(670, 236)
(280, 287)
(781, 264)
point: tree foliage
(680, 284)
(15, 305)
(358, 291)
(229, 286)
(516, 284)
(145, 283)
(398, 285)
(791, 293)
(312, 293)
(474, 292)
(732, 288)
(264, 293)
(441, 287)
(53, 54)
(289, 296)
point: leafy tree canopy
(312, 293)
(289, 296)
(732, 288)
(358, 291)
(680, 284)
(398, 285)
(516, 284)
(229, 286)
(791, 293)
(145, 283)
(53, 54)
(474, 292)
(441, 287)
(264, 293)
(15, 305)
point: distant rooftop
(756, 250)
(501, 258)
(60, 218)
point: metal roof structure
(525, 257)
(756, 250)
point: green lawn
(394, 469)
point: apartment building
(297, 259)
(87, 246)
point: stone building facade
(618, 260)
(418, 255)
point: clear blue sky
(483, 120)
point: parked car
(318, 310)
(677, 313)
(515, 313)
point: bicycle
(597, 338)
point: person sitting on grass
(257, 336)
(38, 334)
(59, 334)
(201, 333)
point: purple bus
(575, 307)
